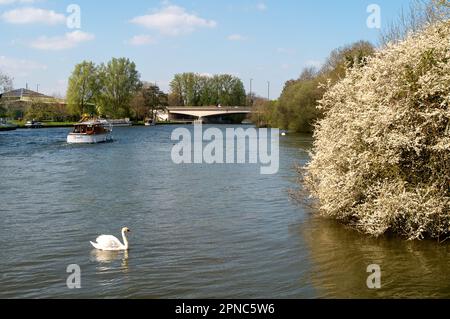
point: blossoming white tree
(5, 83)
(381, 158)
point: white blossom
(381, 157)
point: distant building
(19, 100)
(28, 96)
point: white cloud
(173, 21)
(68, 41)
(285, 66)
(31, 15)
(15, 1)
(140, 40)
(236, 37)
(261, 6)
(20, 67)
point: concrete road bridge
(200, 113)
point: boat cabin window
(89, 129)
(80, 129)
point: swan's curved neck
(125, 240)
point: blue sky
(263, 40)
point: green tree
(119, 81)
(263, 112)
(138, 108)
(176, 91)
(208, 91)
(148, 100)
(344, 58)
(83, 88)
(190, 89)
(154, 99)
(296, 108)
(186, 89)
(38, 110)
(6, 84)
(231, 90)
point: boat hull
(88, 139)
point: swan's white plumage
(108, 241)
(111, 243)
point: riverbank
(21, 124)
(7, 128)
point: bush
(381, 157)
(296, 109)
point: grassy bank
(21, 124)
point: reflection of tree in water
(340, 256)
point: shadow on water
(340, 257)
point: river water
(198, 231)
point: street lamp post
(251, 93)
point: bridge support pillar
(200, 120)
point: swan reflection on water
(106, 259)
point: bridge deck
(209, 109)
(202, 112)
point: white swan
(111, 243)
